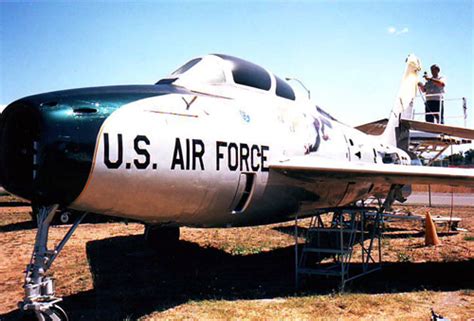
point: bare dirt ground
(106, 272)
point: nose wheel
(53, 313)
(57, 314)
(40, 301)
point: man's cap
(436, 66)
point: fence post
(429, 195)
(464, 108)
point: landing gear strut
(40, 298)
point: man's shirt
(433, 91)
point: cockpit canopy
(223, 69)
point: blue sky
(349, 53)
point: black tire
(56, 309)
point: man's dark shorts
(434, 106)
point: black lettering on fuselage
(188, 154)
(254, 155)
(244, 156)
(189, 157)
(198, 154)
(219, 154)
(233, 156)
(110, 164)
(241, 156)
(264, 158)
(141, 151)
(177, 155)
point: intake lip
(19, 129)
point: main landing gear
(40, 299)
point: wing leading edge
(439, 129)
(377, 128)
(310, 169)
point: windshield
(206, 70)
(248, 74)
(190, 64)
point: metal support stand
(296, 252)
(39, 288)
(348, 227)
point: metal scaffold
(336, 240)
(431, 146)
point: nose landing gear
(40, 299)
(51, 313)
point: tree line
(466, 158)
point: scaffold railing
(462, 100)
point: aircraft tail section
(394, 133)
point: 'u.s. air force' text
(188, 154)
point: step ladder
(336, 240)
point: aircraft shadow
(131, 281)
(25, 225)
(13, 204)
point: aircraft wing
(439, 129)
(377, 128)
(316, 170)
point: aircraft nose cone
(19, 128)
(47, 141)
(44, 155)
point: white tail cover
(403, 107)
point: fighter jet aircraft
(220, 142)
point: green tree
(469, 157)
(456, 159)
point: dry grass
(106, 273)
(402, 306)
